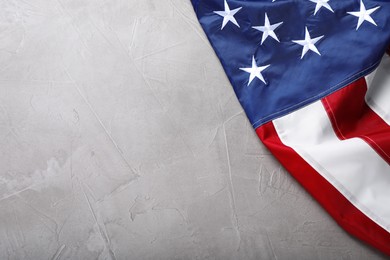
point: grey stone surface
(121, 138)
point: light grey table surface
(121, 138)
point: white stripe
(378, 95)
(351, 165)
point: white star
(364, 15)
(321, 3)
(268, 29)
(228, 15)
(308, 43)
(255, 71)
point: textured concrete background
(121, 138)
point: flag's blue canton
(347, 53)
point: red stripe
(352, 117)
(345, 214)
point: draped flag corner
(313, 77)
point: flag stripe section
(334, 202)
(378, 95)
(338, 148)
(352, 117)
(351, 165)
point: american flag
(313, 77)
